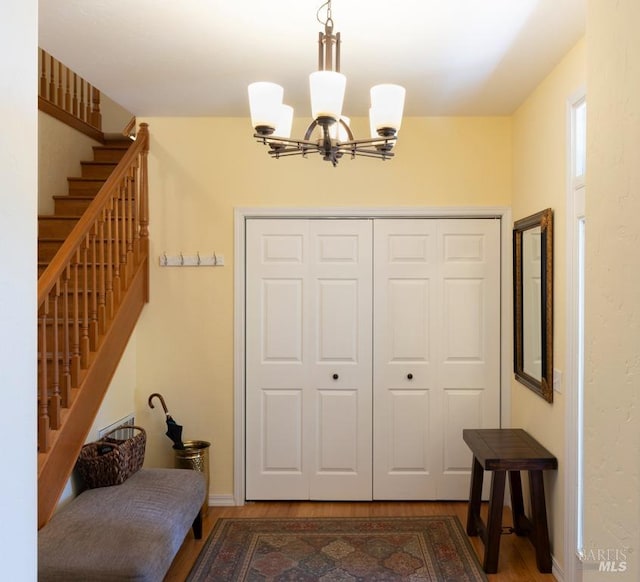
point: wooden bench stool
(512, 450)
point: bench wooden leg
(197, 526)
(494, 522)
(540, 533)
(475, 498)
(517, 505)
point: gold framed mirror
(533, 302)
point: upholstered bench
(128, 532)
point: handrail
(68, 97)
(82, 286)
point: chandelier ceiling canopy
(329, 133)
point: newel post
(143, 133)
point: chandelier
(329, 133)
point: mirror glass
(533, 302)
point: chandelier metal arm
(275, 141)
(331, 150)
(374, 141)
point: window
(576, 237)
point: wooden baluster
(117, 281)
(85, 345)
(76, 358)
(67, 95)
(124, 269)
(43, 74)
(110, 306)
(59, 94)
(131, 185)
(81, 105)
(136, 214)
(87, 106)
(52, 82)
(65, 388)
(74, 101)
(93, 293)
(43, 392)
(102, 311)
(96, 116)
(54, 397)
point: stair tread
(106, 148)
(98, 163)
(82, 179)
(58, 216)
(74, 196)
(116, 143)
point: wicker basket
(111, 461)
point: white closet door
(405, 369)
(436, 358)
(469, 342)
(308, 359)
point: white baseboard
(556, 570)
(222, 500)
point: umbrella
(174, 430)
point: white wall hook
(191, 260)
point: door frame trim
(241, 215)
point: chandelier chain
(329, 19)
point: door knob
(335, 376)
(410, 376)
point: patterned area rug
(331, 550)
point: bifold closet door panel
(405, 438)
(308, 359)
(436, 351)
(469, 344)
(277, 361)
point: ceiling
(196, 57)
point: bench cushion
(125, 532)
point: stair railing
(68, 97)
(79, 292)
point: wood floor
(517, 557)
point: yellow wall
(119, 401)
(60, 149)
(612, 374)
(540, 181)
(200, 169)
(114, 116)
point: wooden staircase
(92, 285)
(53, 229)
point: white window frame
(574, 379)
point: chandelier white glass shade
(327, 94)
(329, 133)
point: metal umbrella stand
(188, 454)
(195, 455)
